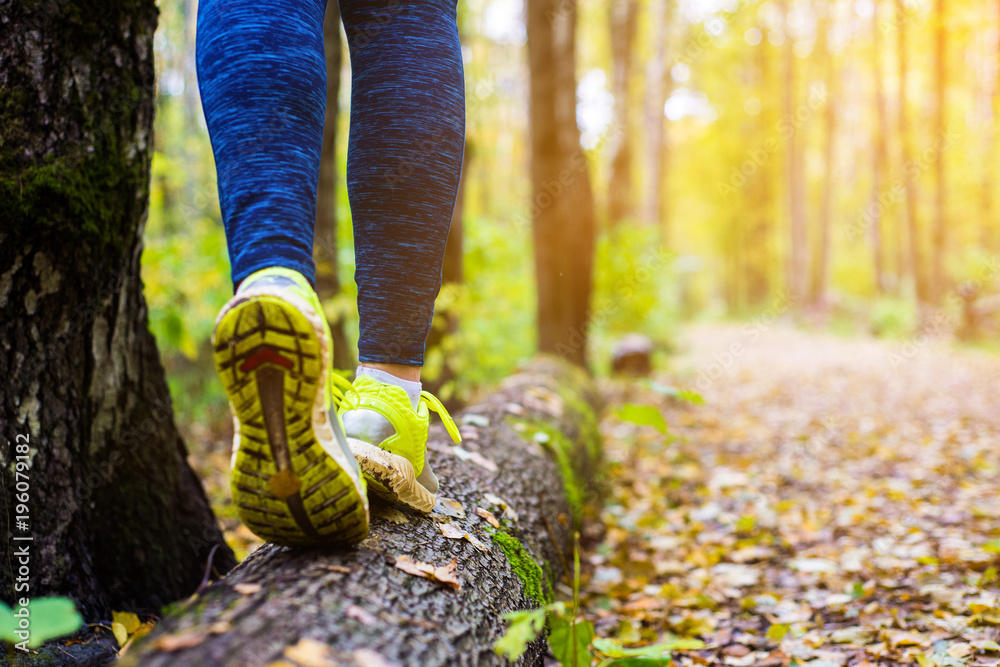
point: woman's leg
(262, 76)
(404, 160)
(403, 165)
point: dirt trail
(833, 502)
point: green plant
(571, 637)
(41, 620)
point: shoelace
(432, 403)
(340, 387)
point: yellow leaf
(120, 633)
(310, 653)
(129, 620)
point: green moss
(562, 451)
(84, 185)
(524, 566)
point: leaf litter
(832, 503)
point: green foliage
(893, 317)
(646, 656)
(523, 627)
(636, 289)
(644, 415)
(562, 451)
(679, 393)
(569, 639)
(48, 618)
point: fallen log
(420, 590)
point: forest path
(834, 502)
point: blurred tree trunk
(763, 207)
(988, 176)
(821, 273)
(876, 206)
(562, 199)
(938, 247)
(658, 88)
(118, 519)
(325, 244)
(623, 14)
(799, 244)
(906, 157)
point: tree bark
(876, 208)
(325, 240)
(622, 15)
(939, 246)
(658, 88)
(562, 198)
(760, 252)
(821, 274)
(118, 520)
(357, 599)
(906, 157)
(799, 244)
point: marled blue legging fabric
(262, 77)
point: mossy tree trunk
(538, 442)
(118, 520)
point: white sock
(412, 388)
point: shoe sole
(287, 489)
(391, 477)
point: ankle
(408, 373)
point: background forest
(833, 160)
(792, 202)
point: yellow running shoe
(389, 439)
(294, 479)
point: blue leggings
(262, 76)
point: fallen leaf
(488, 515)
(477, 543)
(393, 515)
(448, 574)
(854, 635)
(444, 574)
(365, 657)
(449, 507)
(129, 621)
(179, 641)
(338, 568)
(475, 420)
(310, 653)
(247, 589)
(475, 457)
(360, 614)
(220, 627)
(120, 633)
(452, 531)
